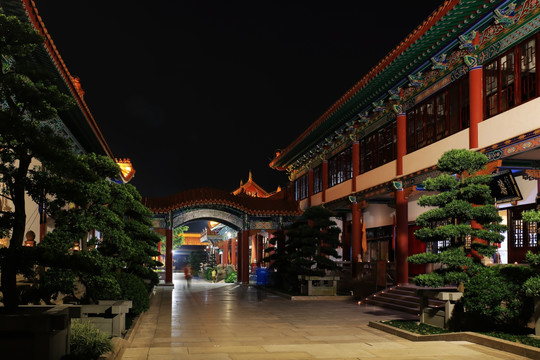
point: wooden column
(402, 216)
(168, 255)
(253, 249)
(476, 104)
(401, 142)
(324, 179)
(244, 256)
(402, 238)
(226, 252)
(239, 269)
(355, 241)
(234, 263)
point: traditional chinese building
(464, 78)
(77, 124)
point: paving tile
(228, 322)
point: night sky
(198, 93)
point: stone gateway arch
(246, 214)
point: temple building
(77, 124)
(465, 78)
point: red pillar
(324, 179)
(244, 256)
(254, 249)
(401, 142)
(402, 221)
(226, 252)
(402, 241)
(168, 256)
(356, 215)
(476, 104)
(233, 253)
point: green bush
(532, 286)
(495, 297)
(134, 289)
(87, 342)
(102, 287)
(208, 273)
(231, 278)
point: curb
(479, 339)
(305, 298)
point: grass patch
(424, 329)
(520, 339)
(416, 327)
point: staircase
(401, 297)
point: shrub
(231, 278)
(87, 342)
(102, 287)
(496, 298)
(208, 273)
(134, 289)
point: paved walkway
(230, 321)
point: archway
(247, 215)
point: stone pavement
(231, 321)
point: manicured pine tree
(463, 214)
(307, 248)
(29, 102)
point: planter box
(36, 332)
(439, 316)
(108, 316)
(318, 285)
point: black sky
(198, 93)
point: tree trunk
(9, 267)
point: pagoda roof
(201, 197)
(79, 119)
(251, 188)
(436, 34)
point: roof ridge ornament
(439, 62)
(415, 80)
(506, 16)
(468, 41)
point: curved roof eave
(414, 51)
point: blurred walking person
(188, 274)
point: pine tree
(29, 102)
(461, 213)
(306, 247)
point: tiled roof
(210, 196)
(81, 122)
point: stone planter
(318, 285)
(36, 332)
(108, 316)
(436, 316)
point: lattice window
(533, 235)
(528, 70)
(518, 233)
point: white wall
(511, 123)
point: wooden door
(522, 237)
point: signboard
(504, 187)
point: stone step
(387, 305)
(402, 297)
